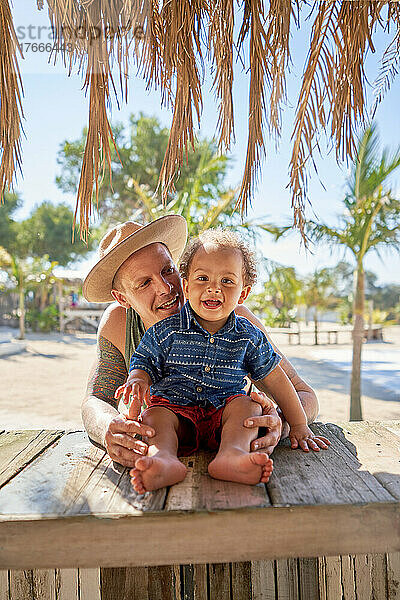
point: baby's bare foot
(154, 472)
(242, 467)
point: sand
(43, 387)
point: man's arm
(103, 423)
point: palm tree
(316, 294)
(370, 223)
(24, 273)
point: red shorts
(201, 427)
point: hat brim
(170, 230)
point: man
(137, 269)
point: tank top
(134, 332)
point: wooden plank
(105, 488)
(74, 477)
(67, 584)
(199, 491)
(4, 589)
(348, 579)
(379, 576)
(19, 448)
(48, 485)
(393, 575)
(312, 478)
(362, 570)
(44, 584)
(377, 449)
(21, 587)
(308, 578)
(241, 580)
(129, 582)
(200, 577)
(161, 583)
(136, 584)
(89, 584)
(199, 537)
(287, 579)
(193, 582)
(333, 577)
(322, 578)
(219, 581)
(263, 579)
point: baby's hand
(136, 387)
(302, 436)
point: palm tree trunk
(21, 310)
(358, 335)
(316, 327)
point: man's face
(151, 284)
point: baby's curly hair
(220, 238)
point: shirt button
(207, 369)
(211, 340)
(199, 388)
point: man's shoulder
(113, 325)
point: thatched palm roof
(171, 40)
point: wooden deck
(327, 525)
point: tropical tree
(200, 193)
(134, 192)
(48, 231)
(318, 294)
(281, 293)
(30, 249)
(370, 223)
(24, 273)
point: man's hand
(270, 419)
(120, 441)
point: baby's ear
(245, 292)
(185, 287)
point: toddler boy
(196, 363)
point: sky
(56, 109)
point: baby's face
(215, 283)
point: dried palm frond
(253, 20)
(166, 41)
(221, 42)
(356, 22)
(279, 17)
(390, 62)
(90, 33)
(317, 87)
(180, 44)
(11, 92)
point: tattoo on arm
(110, 372)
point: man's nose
(163, 285)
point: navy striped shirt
(189, 366)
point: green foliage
(319, 288)
(281, 293)
(49, 231)
(11, 203)
(371, 219)
(200, 193)
(43, 320)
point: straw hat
(125, 239)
